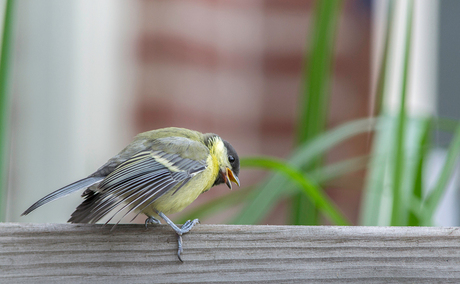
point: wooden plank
(58, 253)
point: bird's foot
(185, 228)
(188, 226)
(179, 245)
(151, 220)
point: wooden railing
(66, 253)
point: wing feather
(137, 183)
(117, 196)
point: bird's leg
(186, 227)
(151, 220)
(182, 230)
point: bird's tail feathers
(80, 184)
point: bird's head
(228, 160)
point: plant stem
(399, 214)
(315, 94)
(5, 59)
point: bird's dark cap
(236, 160)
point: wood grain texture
(73, 253)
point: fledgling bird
(161, 172)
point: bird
(160, 172)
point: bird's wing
(142, 179)
(66, 190)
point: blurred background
(84, 77)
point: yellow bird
(161, 172)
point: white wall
(72, 98)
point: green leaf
(417, 146)
(310, 189)
(314, 98)
(341, 168)
(316, 79)
(271, 189)
(308, 151)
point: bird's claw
(187, 226)
(180, 249)
(151, 220)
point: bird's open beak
(229, 177)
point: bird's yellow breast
(172, 201)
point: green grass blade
(377, 203)
(373, 203)
(416, 210)
(432, 201)
(338, 169)
(264, 200)
(314, 99)
(316, 78)
(399, 213)
(307, 152)
(269, 193)
(325, 174)
(310, 189)
(416, 152)
(382, 79)
(5, 60)
(303, 211)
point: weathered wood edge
(227, 253)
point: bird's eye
(231, 159)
